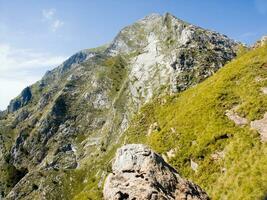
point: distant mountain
(57, 138)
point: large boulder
(140, 173)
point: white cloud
(20, 68)
(261, 6)
(50, 17)
(48, 14)
(57, 24)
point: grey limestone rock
(140, 173)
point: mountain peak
(157, 16)
(167, 14)
(164, 28)
(152, 16)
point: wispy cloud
(20, 68)
(17, 59)
(49, 15)
(261, 6)
(57, 24)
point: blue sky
(37, 35)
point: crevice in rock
(16, 175)
(122, 196)
(139, 176)
(35, 187)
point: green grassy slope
(194, 123)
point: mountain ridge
(65, 132)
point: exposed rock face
(172, 52)
(264, 90)
(240, 121)
(2, 114)
(261, 42)
(140, 173)
(21, 101)
(67, 65)
(261, 126)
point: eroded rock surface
(261, 42)
(261, 127)
(140, 173)
(233, 116)
(264, 90)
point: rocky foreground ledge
(140, 173)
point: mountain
(58, 137)
(214, 133)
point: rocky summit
(140, 173)
(57, 138)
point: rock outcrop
(261, 126)
(21, 101)
(261, 42)
(233, 116)
(140, 173)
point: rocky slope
(140, 173)
(62, 131)
(261, 42)
(214, 133)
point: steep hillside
(214, 133)
(58, 137)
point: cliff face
(62, 131)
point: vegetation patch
(195, 124)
